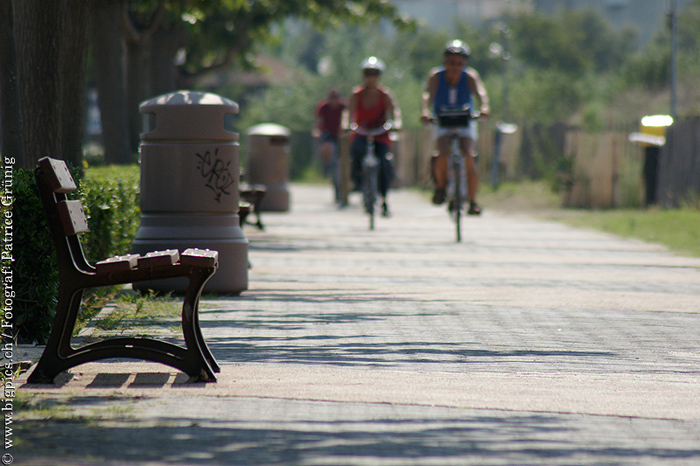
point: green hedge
(35, 275)
(110, 198)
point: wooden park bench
(251, 197)
(66, 220)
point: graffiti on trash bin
(216, 172)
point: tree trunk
(108, 57)
(138, 51)
(51, 39)
(11, 131)
(37, 38)
(77, 16)
(137, 86)
(164, 72)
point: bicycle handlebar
(434, 119)
(374, 131)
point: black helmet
(457, 47)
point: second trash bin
(268, 164)
(190, 185)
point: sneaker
(385, 210)
(439, 196)
(474, 209)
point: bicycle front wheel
(370, 194)
(457, 197)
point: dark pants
(381, 151)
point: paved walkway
(529, 343)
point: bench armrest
(199, 257)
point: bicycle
(370, 169)
(455, 120)
(334, 171)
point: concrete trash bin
(190, 186)
(268, 164)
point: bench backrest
(59, 179)
(66, 217)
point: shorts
(471, 131)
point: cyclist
(328, 115)
(371, 105)
(454, 85)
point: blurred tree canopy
(569, 63)
(551, 61)
(159, 45)
(573, 66)
(572, 41)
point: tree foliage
(180, 42)
(572, 41)
(52, 37)
(552, 61)
(174, 44)
(224, 32)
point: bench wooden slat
(117, 264)
(72, 217)
(58, 175)
(199, 257)
(165, 258)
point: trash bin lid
(189, 115)
(268, 129)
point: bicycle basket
(451, 118)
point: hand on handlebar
(391, 125)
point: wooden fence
(679, 164)
(600, 169)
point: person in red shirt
(328, 118)
(372, 105)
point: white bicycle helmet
(373, 63)
(457, 47)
